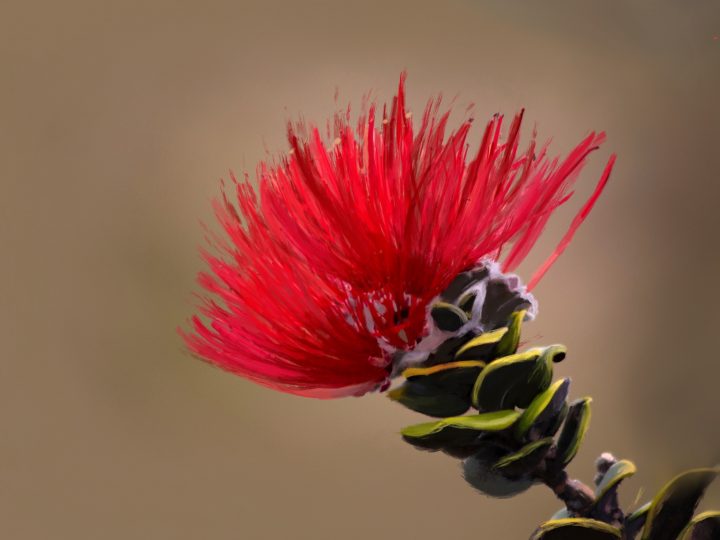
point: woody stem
(578, 497)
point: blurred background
(117, 121)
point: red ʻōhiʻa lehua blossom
(328, 268)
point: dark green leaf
(573, 432)
(482, 346)
(553, 427)
(480, 473)
(544, 409)
(442, 390)
(576, 529)
(447, 376)
(515, 380)
(615, 474)
(429, 401)
(705, 526)
(461, 282)
(448, 317)
(502, 299)
(673, 507)
(509, 342)
(466, 302)
(445, 352)
(459, 430)
(635, 520)
(524, 460)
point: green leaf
(502, 299)
(445, 352)
(635, 520)
(467, 301)
(457, 431)
(442, 390)
(480, 473)
(481, 347)
(573, 432)
(576, 529)
(449, 372)
(490, 421)
(448, 317)
(511, 339)
(462, 282)
(544, 409)
(524, 460)
(615, 474)
(431, 402)
(553, 427)
(515, 380)
(705, 526)
(673, 507)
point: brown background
(119, 118)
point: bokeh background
(118, 119)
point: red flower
(330, 265)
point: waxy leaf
(524, 460)
(673, 507)
(502, 299)
(615, 474)
(480, 473)
(448, 373)
(463, 281)
(511, 339)
(445, 352)
(467, 301)
(482, 346)
(553, 427)
(448, 317)
(515, 380)
(635, 521)
(441, 390)
(576, 529)
(458, 430)
(431, 402)
(573, 432)
(705, 526)
(544, 409)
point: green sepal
(515, 380)
(448, 317)
(481, 347)
(617, 472)
(524, 460)
(705, 526)
(574, 429)
(544, 409)
(576, 529)
(673, 507)
(511, 339)
(440, 391)
(458, 430)
(479, 471)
